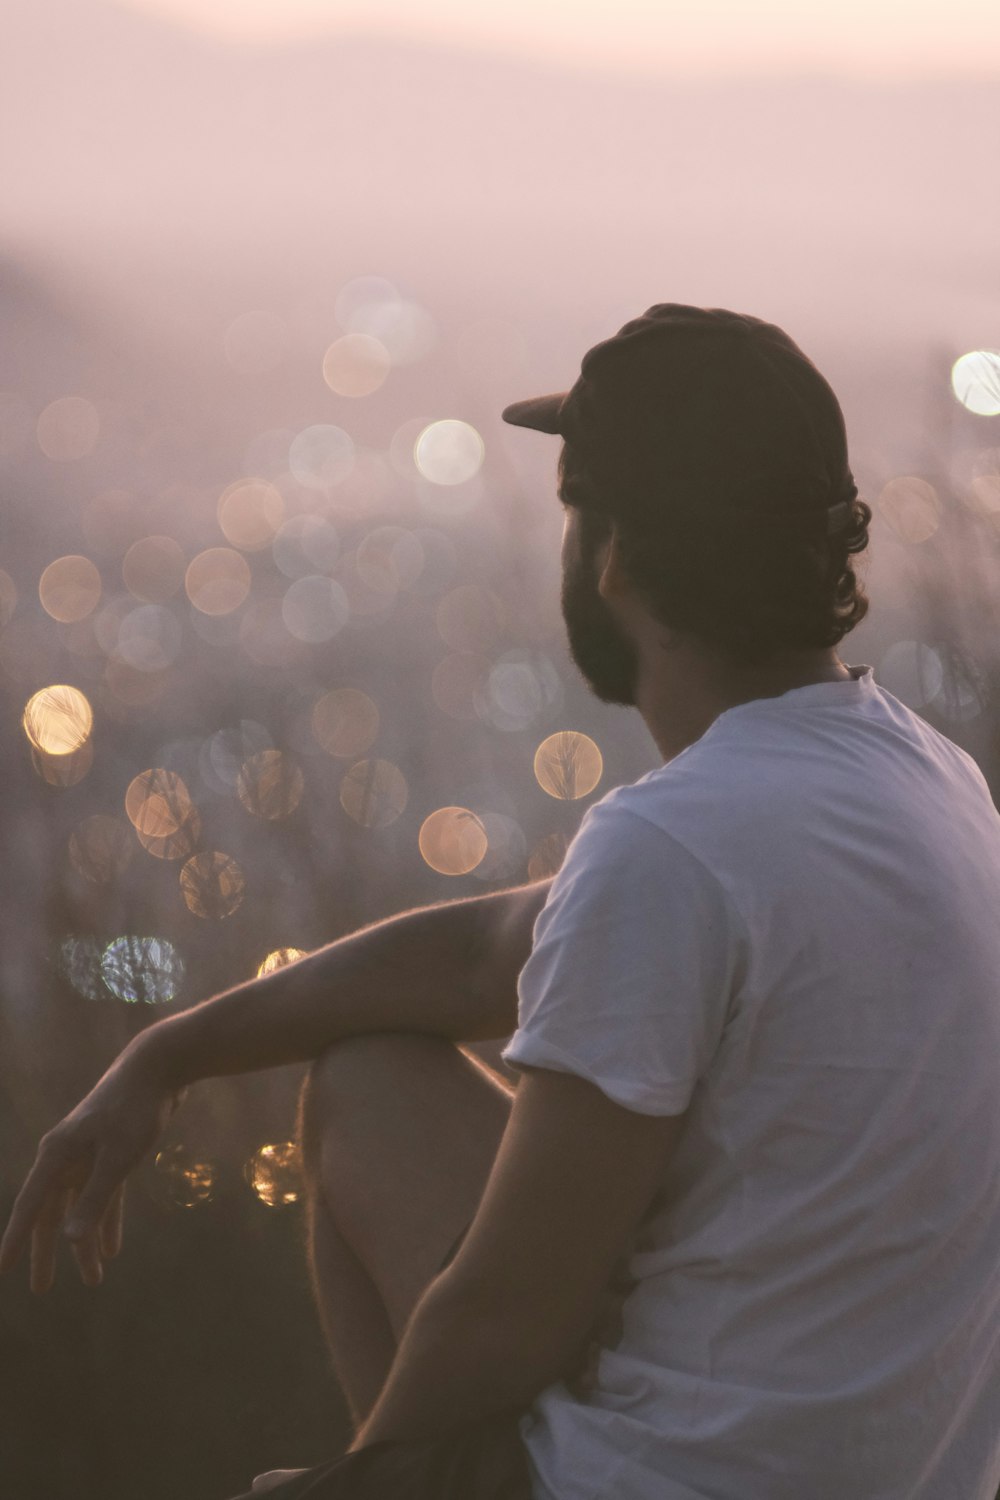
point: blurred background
(281, 650)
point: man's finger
(38, 1184)
(95, 1199)
(87, 1254)
(111, 1224)
(44, 1238)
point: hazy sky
(887, 37)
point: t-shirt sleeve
(632, 966)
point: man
(735, 1234)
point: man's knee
(357, 1073)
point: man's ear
(612, 577)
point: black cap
(719, 409)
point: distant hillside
(817, 200)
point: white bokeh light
(449, 452)
(374, 307)
(911, 672)
(314, 608)
(306, 544)
(149, 638)
(975, 380)
(321, 456)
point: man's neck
(686, 692)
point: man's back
(790, 932)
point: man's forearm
(457, 1364)
(448, 970)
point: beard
(604, 655)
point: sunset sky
(863, 37)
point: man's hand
(77, 1182)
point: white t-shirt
(792, 931)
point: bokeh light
(373, 306)
(250, 513)
(275, 1174)
(315, 608)
(305, 544)
(975, 380)
(547, 856)
(68, 428)
(180, 844)
(153, 569)
(374, 793)
(403, 445)
(217, 580)
(69, 588)
(58, 720)
(107, 622)
(449, 452)
(363, 292)
(64, 769)
(157, 803)
(568, 764)
(213, 885)
(186, 1179)
(911, 507)
(912, 672)
(958, 700)
(506, 848)
(452, 841)
(389, 558)
(80, 962)
(223, 754)
(356, 365)
(985, 490)
(345, 722)
(149, 969)
(321, 456)
(279, 958)
(520, 688)
(100, 848)
(149, 638)
(270, 785)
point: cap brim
(541, 412)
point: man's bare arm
(449, 969)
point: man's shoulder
(641, 828)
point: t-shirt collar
(841, 692)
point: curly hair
(746, 583)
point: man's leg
(399, 1134)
